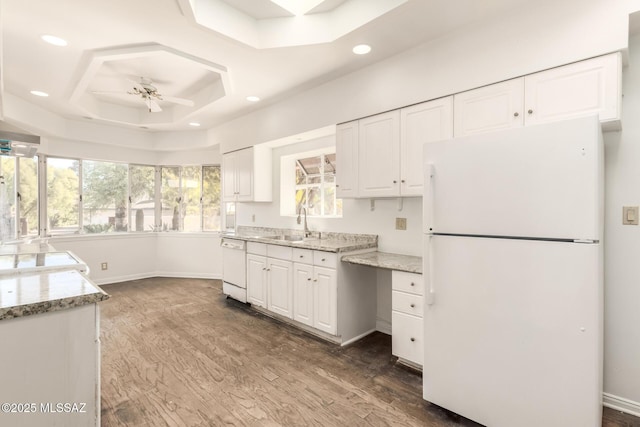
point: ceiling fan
(149, 94)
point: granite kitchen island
(50, 358)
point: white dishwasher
(234, 271)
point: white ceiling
(190, 61)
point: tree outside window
(315, 185)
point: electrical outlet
(104, 266)
(401, 223)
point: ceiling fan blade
(153, 106)
(181, 101)
(136, 81)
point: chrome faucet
(307, 233)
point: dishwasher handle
(232, 244)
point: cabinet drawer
(407, 282)
(279, 252)
(304, 256)
(407, 339)
(325, 259)
(257, 248)
(407, 303)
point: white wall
(543, 35)
(622, 244)
(139, 255)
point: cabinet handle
(264, 269)
(337, 185)
(402, 181)
(516, 114)
(301, 256)
(315, 280)
(413, 339)
(395, 182)
(268, 269)
(413, 284)
(413, 305)
(323, 260)
(530, 111)
(308, 278)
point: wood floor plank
(176, 352)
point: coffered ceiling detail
(267, 24)
(112, 84)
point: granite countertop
(408, 263)
(29, 294)
(324, 241)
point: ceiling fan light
(39, 93)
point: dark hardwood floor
(176, 352)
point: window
(190, 198)
(211, 198)
(117, 197)
(315, 185)
(63, 197)
(7, 198)
(142, 197)
(104, 196)
(28, 196)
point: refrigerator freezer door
(514, 336)
(541, 181)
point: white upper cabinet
(347, 160)
(419, 124)
(379, 155)
(246, 175)
(586, 87)
(489, 108)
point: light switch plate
(401, 223)
(630, 215)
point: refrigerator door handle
(430, 297)
(428, 197)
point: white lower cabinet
(279, 287)
(257, 280)
(407, 304)
(315, 290)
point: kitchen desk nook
(50, 337)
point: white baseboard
(383, 326)
(119, 279)
(621, 404)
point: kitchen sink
(286, 238)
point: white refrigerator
(513, 274)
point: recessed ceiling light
(194, 124)
(20, 145)
(362, 49)
(56, 41)
(39, 93)
(253, 98)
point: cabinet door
(407, 338)
(303, 293)
(256, 280)
(244, 168)
(489, 108)
(586, 87)
(419, 124)
(347, 160)
(379, 155)
(280, 287)
(325, 299)
(229, 161)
